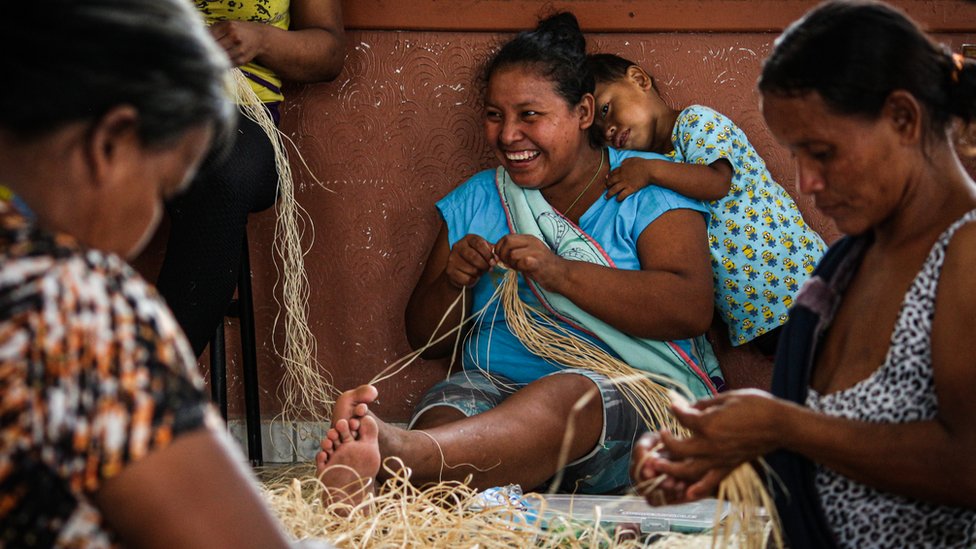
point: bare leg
(348, 473)
(517, 442)
(437, 416)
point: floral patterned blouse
(94, 374)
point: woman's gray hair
(72, 60)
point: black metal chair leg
(218, 370)
(243, 309)
(252, 406)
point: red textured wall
(401, 127)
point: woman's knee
(436, 417)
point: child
(762, 250)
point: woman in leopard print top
(872, 428)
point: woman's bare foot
(352, 405)
(341, 432)
(348, 472)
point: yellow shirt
(270, 12)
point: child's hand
(627, 179)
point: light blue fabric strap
(529, 213)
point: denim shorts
(604, 470)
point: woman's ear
(637, 75)
(113, 144)
(587, 110)
(905, 115)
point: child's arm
(699, 181)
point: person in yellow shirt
(270, 41)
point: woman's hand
(733, 427)
(726, 431)
(663, 479)
(533, 258)
(471, 257)
(653, 485)
(242, 40)
(312, 49)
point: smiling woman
(635, 272)
(106, 437)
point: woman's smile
(537, 135)
(519, 157)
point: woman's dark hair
(71, 60)
(556, 49)
(854, 54)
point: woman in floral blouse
(106, 437)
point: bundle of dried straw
(448, 515)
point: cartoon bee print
(805, 243)
(751, 193)
(791, 283)
(787, 242)
(752, 214)
(751, 233)
(729, 266)
(732, 227)
(790, 265)
(809, 263)
(732, 206)
(730, 245)
(751, 292)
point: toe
(368, 430)
(345, 433)
(326, 445)
(360, 410)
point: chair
(242, 308)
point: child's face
(625, 113)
